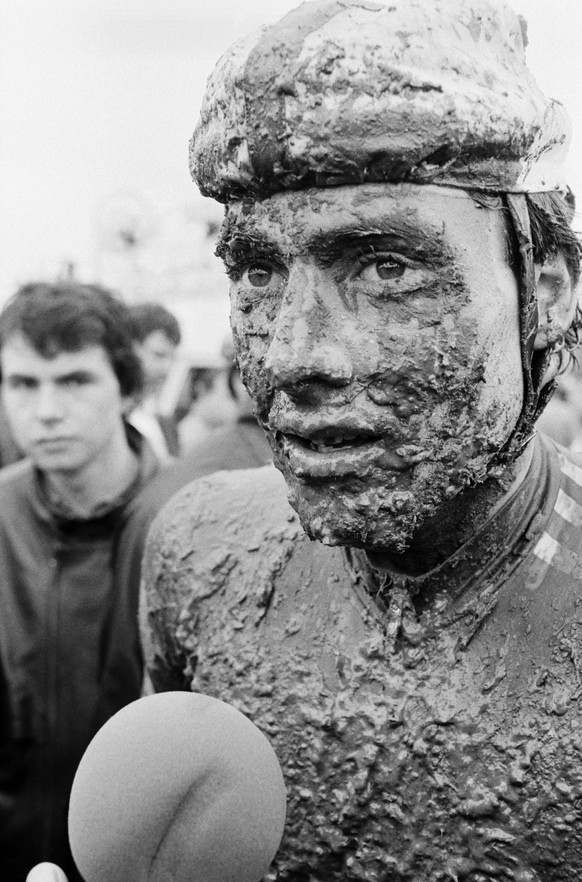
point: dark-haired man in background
(69, 648)
(403, 284)
(157, 336)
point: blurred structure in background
(147, 254)
(167, 256)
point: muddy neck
(456, 522)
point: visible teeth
(331, 442)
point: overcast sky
(98, 99)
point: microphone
(178, 786)
(46, 872)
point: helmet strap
(534, 364)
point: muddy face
(377, 331)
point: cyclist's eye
(384, 269)
(258, 276)
(389, 269)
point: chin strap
(534, 364)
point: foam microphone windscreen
(46, 872)
(177, 786)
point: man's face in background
(157, 354)
(65, 412)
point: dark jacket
(69, 654)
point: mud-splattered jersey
(428, 730)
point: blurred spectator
(157, 337)
(69, 648)
(562, 417)
(211, 409)
(240, 445)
